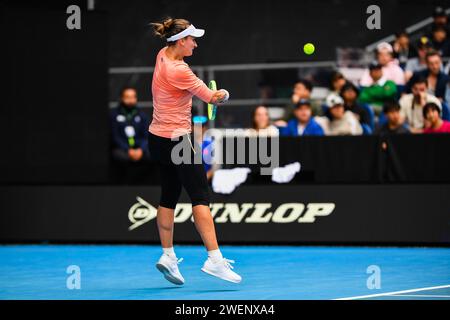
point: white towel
(225, 181)
(285, 174)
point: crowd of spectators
(406, 89)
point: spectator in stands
(412, 104)
(339, 122)
(418, 63)
(440, 18)
(432, 115)
(391, 69)
(403, 50)
(436, 79)
(129, 129)
(261, 123)
(381, 90)
(394, 124)
(337, 82)
(302, 90)
(303, 124)
(440, 41)
(350, 93)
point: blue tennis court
(269, 272)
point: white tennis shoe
(168, 266)
(221, 269)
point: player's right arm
(183, 78)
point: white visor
(189, 31)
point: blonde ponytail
(169, 27)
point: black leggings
(191, 176)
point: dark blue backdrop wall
(256, 30)
(53, 109)
(335, 214)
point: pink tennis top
(173, 86)
(444, 128)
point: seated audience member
(129, 129)
(350, 93)
(418, 63)
(302, 90)
(412, 104)
(337, 82)
(440, 18)
(437, 80)
(381, 90)
(340, 122)
(440, 41)
(403, 50)
(261, 123)
(303, 124)
(394, 124)
(434, 123)
(391, 69)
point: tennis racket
(212, 108)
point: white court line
(420, 295)
(394, 293)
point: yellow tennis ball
(308, 48)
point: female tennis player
(173, 86)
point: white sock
(215, 255)
(170, 252)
